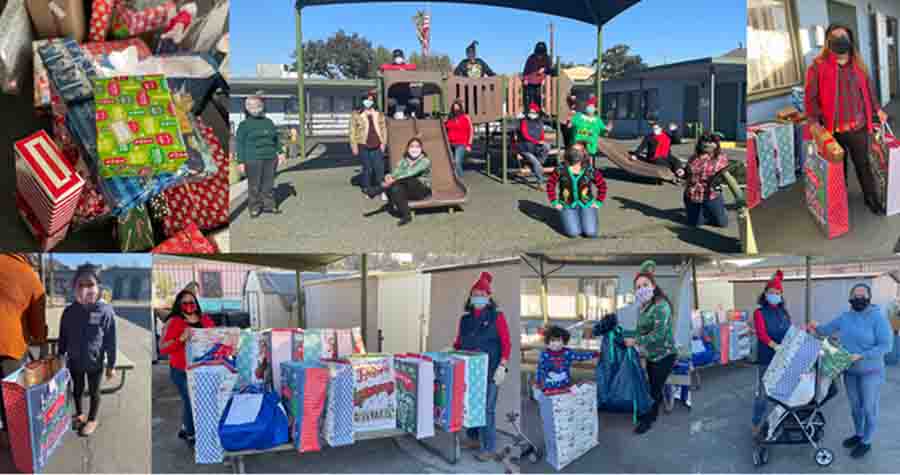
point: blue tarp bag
(612, 355)
(705, 357)
(268, 430)
(630, 390)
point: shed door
(401, 312)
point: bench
(123, 366)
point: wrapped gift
(359, 346)
(248, 358)
(304, 390)
(135, 230)
(39, 72)
(38, 415)
(15, 46)
(297, 345)
(834, 360)
(210, 387)
(101, 16)
(57, 18)
(754, 185)
(415, 394)
(474, 406)
(98, 49)
(275, 349)
(826, 146)
(826, 193)
(884, 161)
(796, 355)
(68, 69)
(312, 345)
(47, 182)
(213, 344)
(570, 424)
(128, 22)
(338, 428)
(375, 398)
(46, 242)
(775, 156)
(724, 342)
(344, 342)
(137, 131)
(449, 391)
(188, 241)
(91, 205)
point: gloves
(500, 375)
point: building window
(343, 104)
(622, 109)
(634, 104)
(610, 104)
(773, 59)
(650, 104)
(320, 104)
(569, 298)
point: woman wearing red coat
(460, 133)
(186, 314)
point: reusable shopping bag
(611, 356)
(629, 389)
(338, 427)
(253, 421)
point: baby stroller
(799, 421)
(520, 448)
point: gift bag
(135, 231)
(415, 394)
(834, 360)
(338, 429)
(58, 18)
(796, 355)
(884, 161)
(213, 344)
(253, 421)
(570, 424)
(754, 185)
(629, 388)
(38, 414)
(297, 345)
(826, 193)
(767, 159)
(474, 406)
(449, 391)
(611, 356)
(781, 138)
(304, 390)
(101, 16)
(210, 386)
(893, 356)
(15, 46)
(188, 241)
(345, 346)
(725, 345)
(313, 346)
(375, 398)
(359, 346)
(247, 359)
(276, 346)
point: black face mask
(859, 303)
(709, 148)
(840, 45)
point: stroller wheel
(533, 457)
(824, 457)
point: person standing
(473, 66)
(588, 127)
(258, 147)
(23, 319)
(537, 67)
(483, 328)
(460, 133)
(368, 140)
(771, 322)
(840, 97)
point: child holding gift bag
(554, 369)
(87, 336)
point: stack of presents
(124, 147)
(324, 386)
(721, 337)
(792, 149)
(571, 426)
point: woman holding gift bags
(483, 328)
(186, 315)
(841, 98)
(864, 331)
(771, 322)
(655, 338)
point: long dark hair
(421, 144)
(658, 294)
(176, 307)
(855, 58)
(462, 111)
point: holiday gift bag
(629, 388)
(834, 360)
(781, 136)
(474, 406)
(247, 359)
(754, 185)
(359, 346)
(15, 46)
(134, 230)
(188, 241)
(213, 344)
(415, 394)
(826, 193)
(449, 391)
(210, 386)
(253, 420)
(57, 18)
(276, 345)
(297, 344)
(796, 355)
(304, 390)
(766, 155)
(345, 346)
(725, 345)
(313, 345)
(375, 396)
(338, 428)
(570, 424)
(884, 161)
(38, 414)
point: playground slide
(446, 189)
(620, 155)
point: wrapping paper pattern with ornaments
(570, 424)
(415, 394)
(304, 390)
(796, 355)
(135, 231)
(826, 193)
(101, 16)
(339, 411)
(834, 360)
(210, 387)
(375, 397)
(188, 241)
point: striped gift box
(47, 182)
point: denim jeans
(372, 168)
(711, 212)
(459, 156)
(488, 434)
(537, 167)
(864, 393)
(579, 221)
(179, 377)
(760, 402)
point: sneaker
(642, 427)
(485, 457)
(404, 221)
(89, 428)
(852, 442)
(255, 213)
(861, 450)
(384, 197)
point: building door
(727, 116)
(691, 104)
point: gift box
(248, 358)
(375, 398)
(570, 424)
(796, 355)
(47, 182)
(338, 430)
(58, 18)
(754, 185)
(304, 392)
(69, 70)
(15, 39)
(474, 406)
(210, 387)
(276, 346)
(137, 130)
(213, 344)
(884, 161)
(45, 241)
(415, 394)
(101, 16)
(834, 360)
(344, 342)
(449, 391)
(38, 416)
(188, 241)
(135, 231)
(128, 22)
(826, 193)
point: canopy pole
(364, 296)
(598, 84)
(301, 302)
(504, 139)
(694, 285)
(712, 100)
(544, 298)
(301, 93)
(558, 104)
(808, 292)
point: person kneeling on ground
(87, 336)
(554, 368)
(410, 181)
(532, 146)
(258, 145)
(576, 202)
(703, 203)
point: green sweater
(257, 139)
(654, 331)
(420, 169)
(588, 129)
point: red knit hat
(592, 101)
(533, 107)
(775, 282)
(484, 283)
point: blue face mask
(773, 299)
(478, 301)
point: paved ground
(721, 426)
(323, 212)
(400, 455)
(122, 441)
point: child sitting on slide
(533, 148)
(554, 368)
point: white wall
(716, 295)
(403, 307)
(336, 304)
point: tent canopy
(595, 12)
(622, 259)
(295, 262)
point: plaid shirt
(851, 113)
(700, 171)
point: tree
(435, 62)
(616, 62)
(341, 56)
(382, 56)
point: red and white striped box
(46, 242)
(47, 182)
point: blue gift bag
(269, 429)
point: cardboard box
(58, 18)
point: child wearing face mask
(532, 146)
(554, 368)
(409, 181)
(368, 140)
(771, 322)
(87, 336)
(569, 189)
(258, 146)
(588, 127)
(703, 203)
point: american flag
(422, 21)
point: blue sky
(659, 30)
(106, 260)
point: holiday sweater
(554, 368)
(257, 139)
(532, 132)
(575, 189)
(654, 330)
(588, 128)
(473, 69)
(409, 168)
(87, 333)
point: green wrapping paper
(834, 360)
(135, 230)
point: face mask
(773, 299)
(657, 131)
(859, 303)
(590, 110)
(555, 345)
(840, 45)
(709, 148)
(86, 295)
(368, 103)
(398, 60)
(415, 152)
(643, 294)
(532, 116)
(189, 308)
(479, 301)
